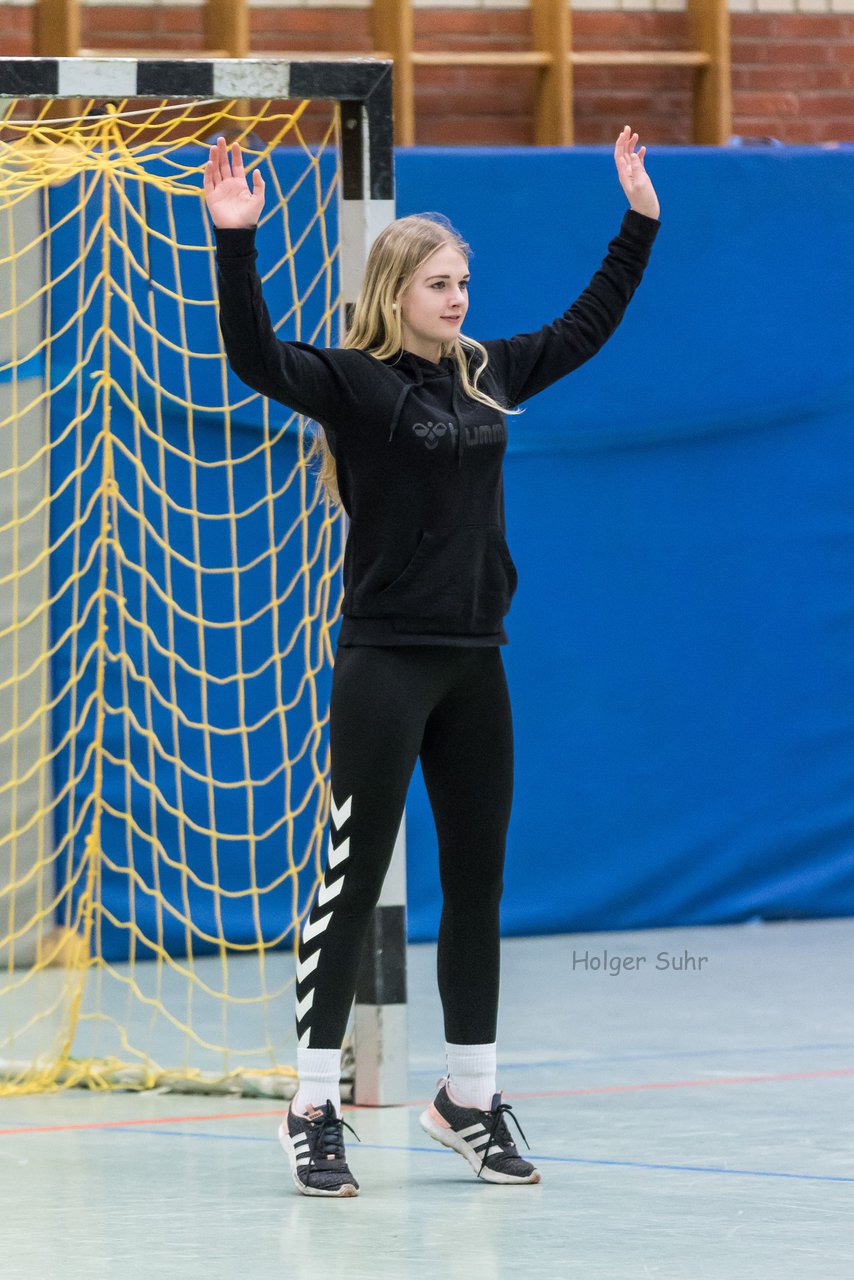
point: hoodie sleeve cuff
(639, 227)
(234, 242)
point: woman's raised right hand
(227, 193)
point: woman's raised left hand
(634, 178)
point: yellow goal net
(169, 577)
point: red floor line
(684, 1084)
(126, 1124)
(542, 1093)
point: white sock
(319, 1078)
(471, 1074)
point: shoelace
(499, 1129)
(499, 1125)
(330, 1140)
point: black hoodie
(419, 464)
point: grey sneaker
(481, 1137)
(314, 1145)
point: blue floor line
(439, 1151)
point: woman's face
(433, 307)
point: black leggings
(390, 705)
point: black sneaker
(482, 1137)
(314, 1145)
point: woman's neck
(431, 351)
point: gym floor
(693, 1119)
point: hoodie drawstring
(401, 400)
(456, 408)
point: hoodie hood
(415, 371)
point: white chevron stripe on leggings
(304, 1005)
(339, 816)
(326, 893)
(311, 930)
(307, 966)
(339, 853)
(329, 891)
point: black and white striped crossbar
(350, 81)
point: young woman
(412, 418)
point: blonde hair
(395, 257)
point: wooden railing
(551, 56)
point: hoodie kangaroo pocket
(459, 581)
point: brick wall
(793, 75)
(792, 72)
(16, 31)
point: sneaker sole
(449, 1138)
(346, 1189)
